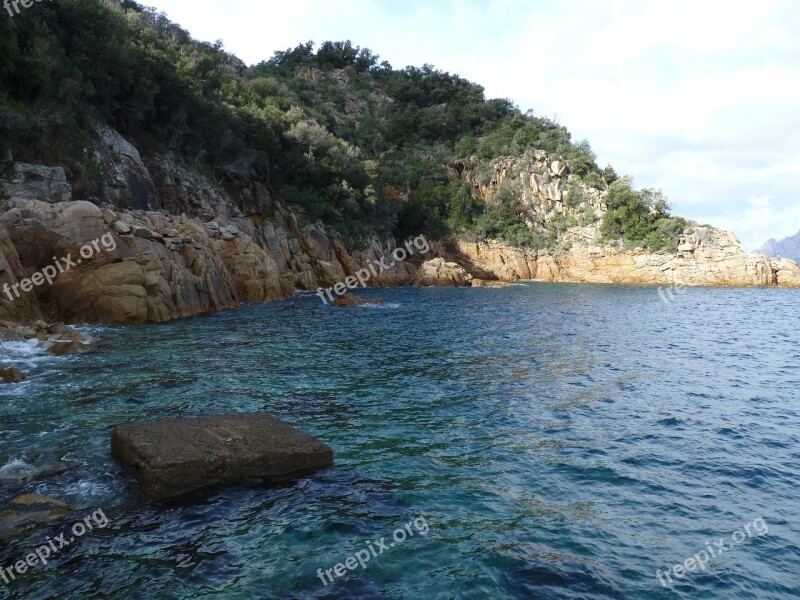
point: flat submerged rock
(172, 457)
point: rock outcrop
(132, 277)
(176, 456)
(179, 245)
(57, 338)
(488, 283)
(706, 257)
(38, 182)
(440, 273)
(496, 260)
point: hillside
(359, 144)
(788, 247)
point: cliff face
(572, 210)
(718, 261)
(164, 243)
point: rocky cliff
(553, 201)
(709, 257)
(175, 244)
(178, 245)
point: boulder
(11, 334)
(172, 457)
(28, 512)
(559, 168)
(353, 300)
(11, 375)
(440, 273)
(121, 228)
(38, 182)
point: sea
(538, 441)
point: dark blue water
(560, 441)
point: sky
(699, 99)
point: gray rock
(121, 228)
(174, 456)
(127, 183)
(142, 232)
(38, 182)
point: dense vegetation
(640, 217)
(361, 145)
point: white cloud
(759, 201)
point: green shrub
(640, 217)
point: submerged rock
(489, 283)
(27, 512)
(11, 375)
(175, 456)
(353, 300)
(61, 348)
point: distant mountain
(787, 248)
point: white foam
(20, 350)
(383, 306)
(87, 489)
(17, 469)
(24, 355)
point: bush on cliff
(640, 217)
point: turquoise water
(560, 441)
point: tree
(310, 135)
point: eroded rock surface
(176, 456)
(707, 257)
(438, 272)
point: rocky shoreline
(184, 246)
